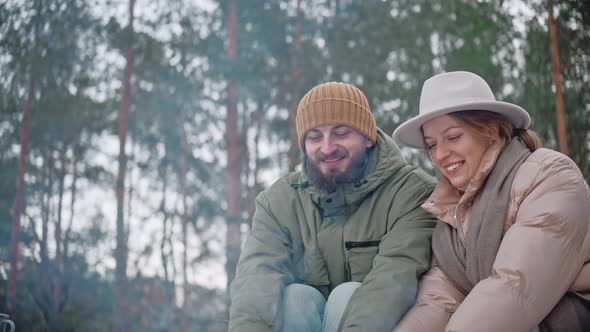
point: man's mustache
(337, 154)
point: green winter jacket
(372, 231)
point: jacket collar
(445, 198)
(384, 159)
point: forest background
(134, 134)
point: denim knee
(336, 304)
(343, 292)
(302, 308)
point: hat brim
(409, 133)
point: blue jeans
(304, 308)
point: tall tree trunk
(249, 205)
(163, 174)
(556, 73)
(59, 239)
(296, 75)
(45, 276)
(18, 203)
(66, 243)
(232, 184)
(120, 297)
(183, 193)
(53, 281)
(130, 188)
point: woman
(510, 248)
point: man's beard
(330, 183)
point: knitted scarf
(468, 261)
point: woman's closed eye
(454, 138)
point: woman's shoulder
(549, 167)
(546, 162)
(545, 156)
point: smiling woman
(514, 218)
(455, 148)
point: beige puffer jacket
(543, 253)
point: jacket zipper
(362, 244)
(346, 260)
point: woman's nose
(440, 153)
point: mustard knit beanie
(335, 103)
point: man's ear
(369, 143)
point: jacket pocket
(360, 257)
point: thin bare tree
(18, 203)
(293, 154)
(556, 74)
(233, 171)
(183, 193)
(120, 298)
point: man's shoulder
(410, 176)
(285, 185)
(419, 175)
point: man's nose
(328, 146)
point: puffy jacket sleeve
(263, 271)
(540, 255)
(437, 299)
(389, 289)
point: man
(340, 244)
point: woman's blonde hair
(486, 122)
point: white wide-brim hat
(451, 92)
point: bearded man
(339, 245)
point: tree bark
(67, 235)
(183, 193)
(120, 299)
(59, 262)
(296, 75)
(252, 190)
(46, 296)
(163, 173)
(18, 204)
(556, 74)
(232, 184)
